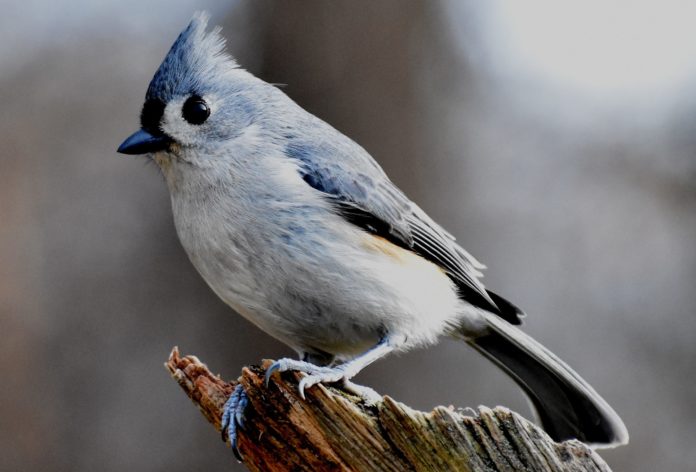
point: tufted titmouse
(300, 231)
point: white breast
(280, 257)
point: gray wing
(362, 193)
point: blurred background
(556, 140)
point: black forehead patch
(151, 116)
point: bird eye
(195, 110)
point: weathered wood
(334, 431)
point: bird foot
(233, 418)
(317, 374)
(368, 395)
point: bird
(299, 230)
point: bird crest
(196, 59)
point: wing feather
(359, 191)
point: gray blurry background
(556, 140)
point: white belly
(329, 287)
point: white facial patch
(175, 125)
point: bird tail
(566, 405)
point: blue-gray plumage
(298, 229)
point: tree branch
(333, 431)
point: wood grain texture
(334, 431)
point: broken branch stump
(334, 431)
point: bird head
(198, 99)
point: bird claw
(324, 375)
(275, 367)
(233, 418)
(284, 365)
(367, 394)
(330, 375)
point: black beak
(142, 142)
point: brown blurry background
(557, 142)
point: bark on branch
(333, 431)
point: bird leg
(342, 372)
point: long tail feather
(566, 405)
